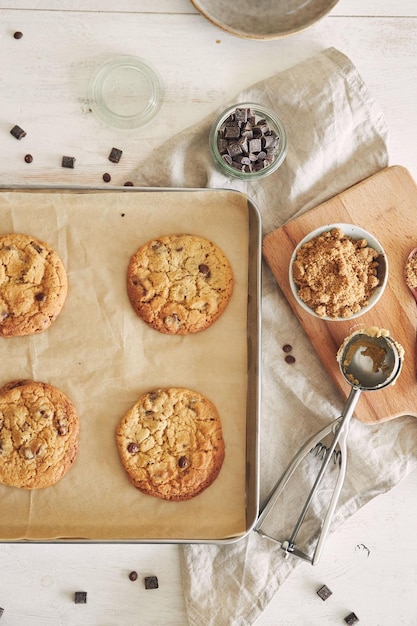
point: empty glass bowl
(125, 92)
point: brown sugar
(336, 274)
(411, 272)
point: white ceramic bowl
(269, 19)
(355, 232)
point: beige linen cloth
(337, 137)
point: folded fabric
(337, 137)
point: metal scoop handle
(340, 427)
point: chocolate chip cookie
(171, 443)
(33, 285)
(179, 284)
(39, 431)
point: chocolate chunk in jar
(245, 143)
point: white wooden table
(370, 564)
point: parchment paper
(100, 354)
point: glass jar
(125, 92)
(248, 141)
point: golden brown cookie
(33, 285)
(171, 443)
(179, 284)
(39, 430)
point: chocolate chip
(133, 575)
(1, 611)
(28, 158)
(351, 619)
(40, 297)
(151, 582)
(204, 269)
(133, 448)
(128, 184)
(287, 347)
(324, 593)
(115, 155)
(36, 246)
(290, 359)
(18, 34)
(68, 161)
(172, 321)
(80, 597)
(18, 132)
(62, 426)
(106, 178)
(182, 462)
(26, 453)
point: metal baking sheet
(103, 357)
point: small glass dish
(248, 141)
(125, 92)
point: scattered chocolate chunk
(28, 158)
(68, 162)
(115, 155)
(151, 582)
(106, 177)
(287, 347)
(80, 597)
(182, 462)
(40, 297)
(324, 593)
(351, 619)
(1, 611)
(128, 184)
(133, 575)
(18, 34)
(290, 359)
(18, 132)
(133, 448)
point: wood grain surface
(385, 205)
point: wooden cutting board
(386, 205)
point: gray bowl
(264, 19)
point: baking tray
(103, 357)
